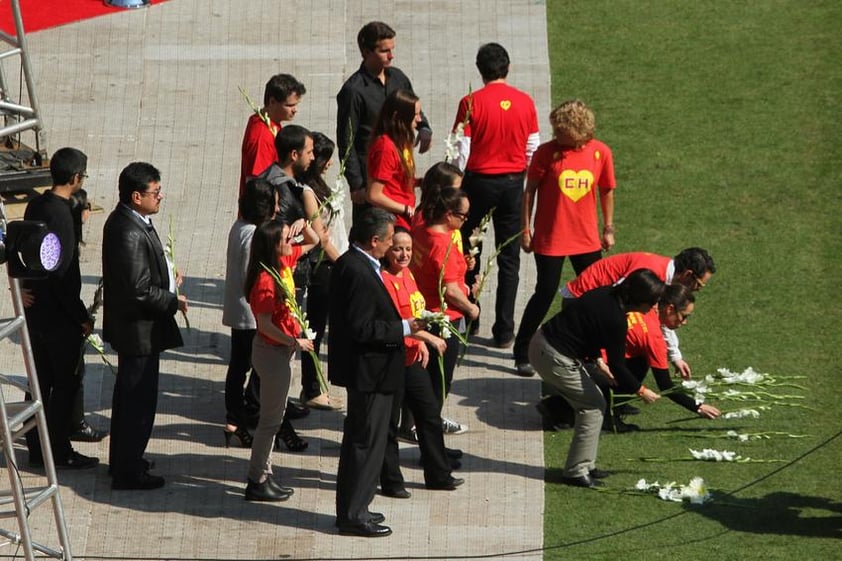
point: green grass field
(724, 122)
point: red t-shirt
(428, 260)
(267, 297)
(644, 338)
(501, 120)
(566, 218)
(409, 302)
(385, 165)
(609, 270)
(258, 152)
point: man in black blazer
(139, 306)
(367, 358)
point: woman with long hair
(439, 267)
(278, 337)
(328, 223)
(258, 204)
(391, 164)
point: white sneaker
(452, 427)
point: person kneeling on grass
(575, 336)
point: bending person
(561, 347)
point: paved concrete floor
(160, 85)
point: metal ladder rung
(34, 497)
(18, 413)
(16, 539)
(12, 326)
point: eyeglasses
(461, 215)
(82, 175)
(155, 193)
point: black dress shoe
(376, 517)
(455, 464)
(596, 473)
(296, 410)
(75, 460)
(86, 433)
(280, 488)
(142, 482)
(505, 341)
(145, 464)
(264, 492)
(453, 453)
(367, 530)
(617, 425)
(399, 493)
(582, 481)
(448, 484)
(626, 409)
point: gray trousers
(273, 364)
(568, 377)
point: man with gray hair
(367, 358)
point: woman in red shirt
(277, 338)
(438, 255)
(418, 392)
(391, 165)
(562, 183)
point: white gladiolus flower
(742, 413)
(696, 492)
(309, 334)
(711, 455)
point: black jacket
(138, 308)
(366, 332)
(57, 305)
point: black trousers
(361, 455)
(503, 193)
(548, 277)
(441, 381)
(318, 300)
(241, 403)
(419, 397)
(57, 355)
(133, 413)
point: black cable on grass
(498, 555)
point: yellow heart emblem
(575, 184)
(505, 104)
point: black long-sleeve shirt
(57, 302)
(594, 321)
(359, 102)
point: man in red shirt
(693, 268)
(500, 134)
(280, 103)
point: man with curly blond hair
(562, 184)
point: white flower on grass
(741, 437)
(696, 492)
(741, 414)
(747, 376)
(711, 455)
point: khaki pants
(568, 377)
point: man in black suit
(367, 358)
(139, 306)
